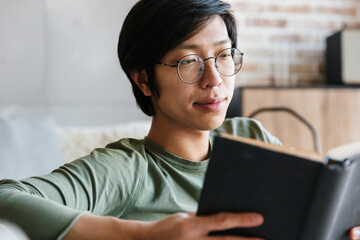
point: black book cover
(284, 188)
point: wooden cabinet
(333, 112)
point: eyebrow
(196, 46)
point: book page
(314, 156)
(344, 151)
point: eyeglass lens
(192, 67)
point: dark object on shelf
(343, 57)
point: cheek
(230, 83)
(171, 87)
(176, 94)
(167, 80)
(230, 80)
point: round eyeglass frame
(204, 61)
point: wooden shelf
(334, 112)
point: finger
(232, 238)
(223, 221)
(355, 233)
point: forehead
(213, 34)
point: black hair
(153, 27)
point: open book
(302, 195)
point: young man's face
(201, 105)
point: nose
(211, 77)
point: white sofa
(31, 146)
(80, 141)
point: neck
(184, 142)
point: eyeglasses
(191, 68)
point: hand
(180, 226)
(189, 226)
(355, 233)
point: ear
(141, 80)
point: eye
(226, 54)
(188, 61)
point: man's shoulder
(246, 127)
(125, 149)
(122, 155)
(127, 144)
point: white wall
(58, 57)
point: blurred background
(285, 40)
(58, 57)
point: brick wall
(284, 41)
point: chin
(212, 123)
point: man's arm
(46, 207)
(45, 219)
(34, 214)
(177, 226)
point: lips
(210, 100)
(211, 104)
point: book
(301, 195)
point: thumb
(355, 233)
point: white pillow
(29, 146)
(80, 141)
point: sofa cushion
(80, 141)
(28, 146)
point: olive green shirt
(129, 179)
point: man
(181, 59)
